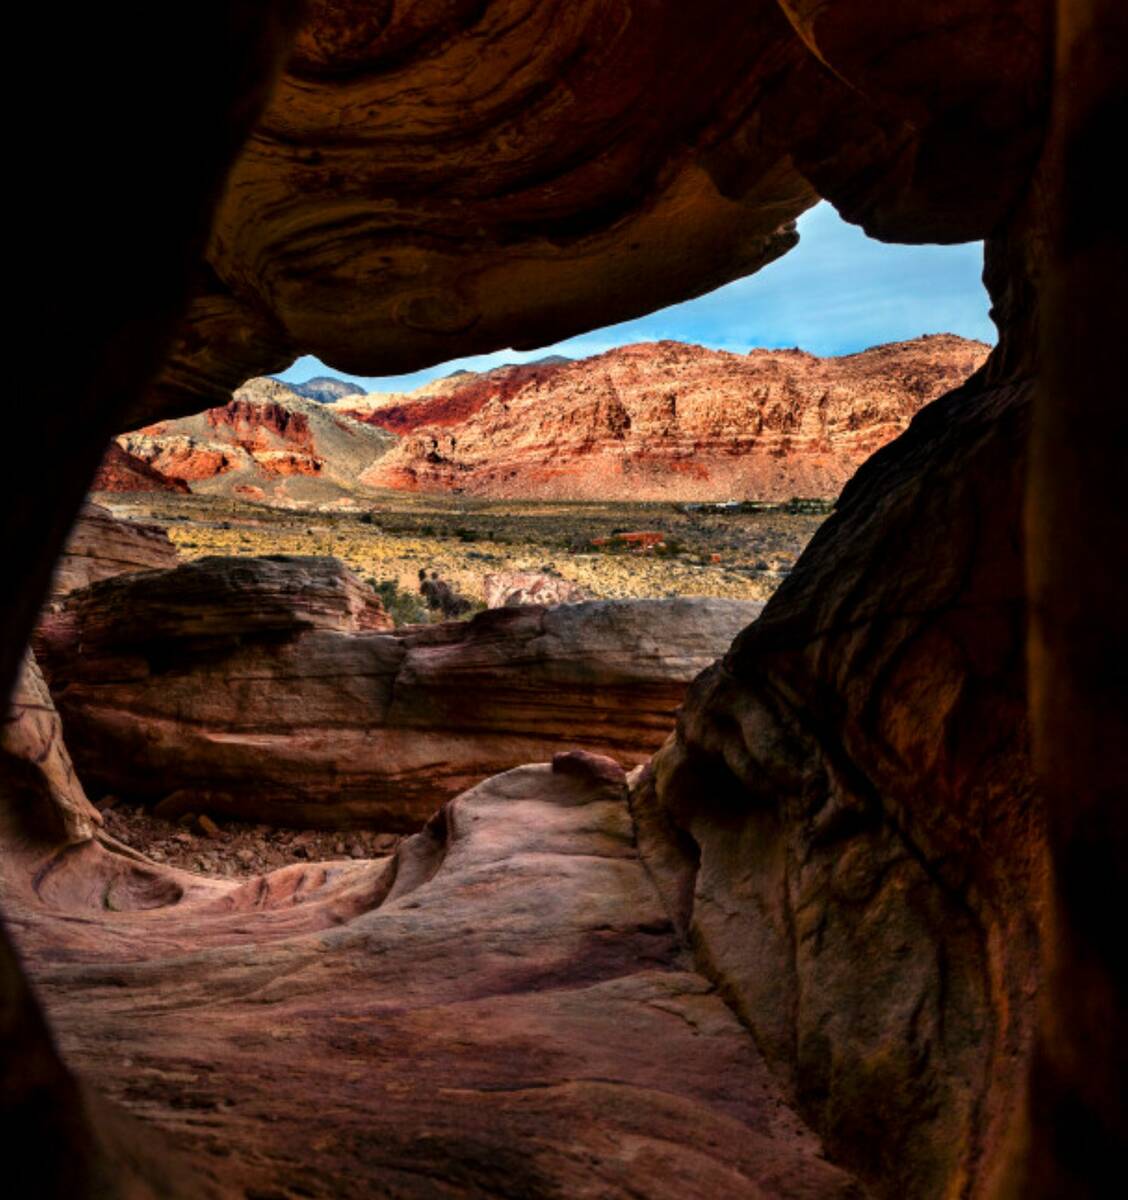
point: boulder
(510, 588)
(274, 690)
(101, 546)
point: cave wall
(423, 172)
(846, 823)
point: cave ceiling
(451, 177)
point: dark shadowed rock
(846, 823)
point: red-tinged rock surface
(668, 421)
(101, 546)
(502, 1008)
(447, 402)
(250, 688)
(120, 471)
(439, 178)
(846, 822)
(267, 444)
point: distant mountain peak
(325, 389)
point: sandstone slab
(101, 546)
(268, 689)
(503, 1008)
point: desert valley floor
(724, 552)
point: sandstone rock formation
(438, 178)
(120, 471)
(512, 588)
(533, 1025)
(846, 823)
(667, 421)
(259, 688)
(41, 792)
(100, 546)
(266, 443)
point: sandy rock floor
(502, 1008)
(231, 849)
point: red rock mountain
(120, 471)
(663, 420)
(266, 443)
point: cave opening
(675, 897)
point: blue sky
(836, 292)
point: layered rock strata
(120, 471)
(261, 689)
(532, 1027)
(101, 546)
(667, 421)
(266, 442)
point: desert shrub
(404, 608)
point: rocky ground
(230, 849)
(740, 555)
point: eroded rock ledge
(439, 179)
(275, 690)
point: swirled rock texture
(667, 421)
(846, 822)
(445, 178)
(101, 546)
(503, 1008)
(40, 787)
(448, 176)
(259, 689)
